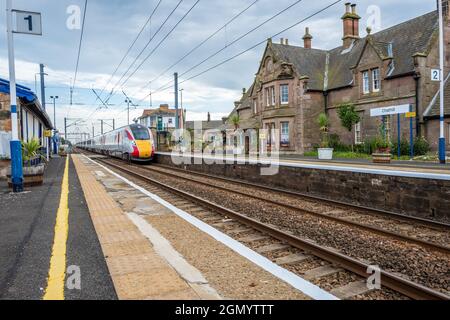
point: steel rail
(428, 222)
(389, 280)
(376, 230)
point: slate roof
(206, 125)
(159, 111)
(399, 42)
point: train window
(140, 133)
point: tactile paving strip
(137, 271)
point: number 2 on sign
(435, 75)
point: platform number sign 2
(28, 22)
(435, 75)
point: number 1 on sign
(30, 22)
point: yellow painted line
(57, 271)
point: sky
(111, 26)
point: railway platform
(102, 228)
(31, 224)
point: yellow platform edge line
(57, 271)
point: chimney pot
(307, 43)
(286, 42)
(354, 8)
(209, 117)
(282, 41)
(347, 7)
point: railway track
(258, 233)
(248, 193)
(338, 204)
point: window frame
(366, 82)
(272, 96)
(358, 134)
(284, 94)
(255, 106)
(267, 97)
(285, 125)
(375, 80)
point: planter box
(32, 176)
(381, 158)
(325, 153)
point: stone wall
(422, 198)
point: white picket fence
(5, 151)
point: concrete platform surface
(27, 228)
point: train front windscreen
(140, 133)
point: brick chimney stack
(307, 39)
(351, 24)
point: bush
(404, 148)
(421, 146)
(335, 143)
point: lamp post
(55, 146)
(442, 156)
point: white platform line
(399, 173)
(292, 279)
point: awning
(30, 99)
(22, 92)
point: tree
(349, 116)
(235, 120)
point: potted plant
(382, 148)
(33, 165)
(325, 152)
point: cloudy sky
(112, 25)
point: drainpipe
(325, 96)
(418, 124)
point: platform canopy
(29, 97)
(22, 92)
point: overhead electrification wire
(161, 89)
(130, 48)
(200, 44)
(79, 51)
(237, 39)
(161, 42)
(127, 53)
(146, 46)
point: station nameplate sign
(386, 111)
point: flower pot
(381, 158)
(32, 176)
(325, 153)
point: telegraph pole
(177, 124)
(442, 156)
(16, 147)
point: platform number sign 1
(435, 75)
(27, 22)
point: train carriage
(133, 142)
